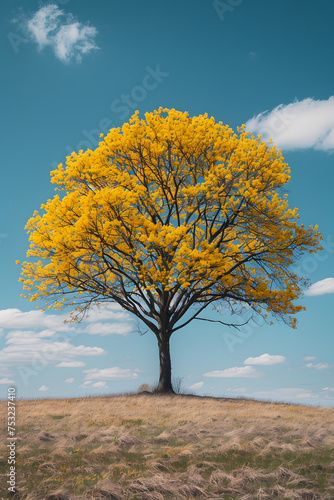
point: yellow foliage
(166, 205)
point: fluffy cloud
(108, 329)
(328, 389)
(6, 380)
(301, 124)
(287, 394)
(37, 338)
(309, 358)
(68, 38)
(19, 337)
(265, 359)
(43, 388)
(69, 380)
(89, 384)
(237, 371)
(14, 318)
(107, 312)
(109, 374)
(321, 287)
(318, 366)
(198, 385)
(304, 395)
(100, 384)
(26, 348)
(86, 383)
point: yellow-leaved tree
(168, 215)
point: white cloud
(14, 318)
(86, 383)
(265, 359)
(39, 339)
(237, 371)
(52, 323)
(301, 124)
(100, 384)
(69, 380)
(305, 395)
(43, 388)
(309, 358)
(71, 364)
(44, 21)
(286, 393)
(69, 39)
(328, 389)
(89, 384)
(6, 381)
(108, 329)
(4, 370)
(109, 374)
(321, 287)
(28, 348)
(18, 337)
(291, 394)
(318, 366)
(198, 385)
(107, 312)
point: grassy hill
(170, 447)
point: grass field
(170, 447)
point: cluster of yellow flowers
(170, 203)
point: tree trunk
(165, 379)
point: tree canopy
(168, 215)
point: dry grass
(171, 447)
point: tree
(169, 215)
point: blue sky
(72, 69)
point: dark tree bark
(165, 379)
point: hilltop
(171, 447)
